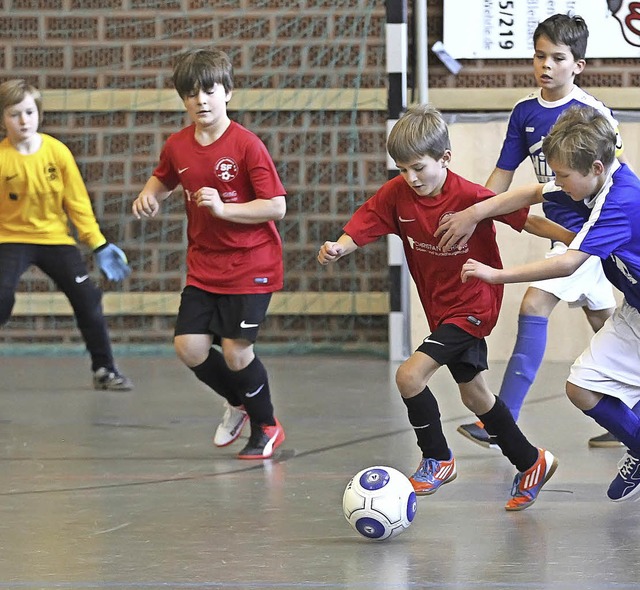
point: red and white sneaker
(264, 440)
(527, 484)
(231, 426)
(431, 474)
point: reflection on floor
(125, 490)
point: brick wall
(329, 161)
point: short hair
(420, 131)
(580, 136)
(15, 91)
(563, 29)
(200, 69)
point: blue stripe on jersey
(612, 231)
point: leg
(525, 360)
(535, 466)
(422, 407)
(528, 352)
(66, 267)
(597, 317)
(14, 260)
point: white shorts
(586, 287)
(611, 362)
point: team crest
(226, 169)
(51, 170)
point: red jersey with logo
(222, 256)
(397, 209)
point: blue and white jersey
(529, 123)
(612, 230)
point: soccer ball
(379, 502)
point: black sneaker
(478, 435)
(112, 380)
(263, 441)
(604, 441)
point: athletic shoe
(527, 484)
(627, 483)
(112, 380)
(476, 432)
(606, 440)
(231, 426)
(264, 440)
(431, 474)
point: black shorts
(225, 316)
(464, 355)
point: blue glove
(112, 262)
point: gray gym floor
(125, 490)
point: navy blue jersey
(612, 229)
(529, 123)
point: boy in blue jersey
(560, 44)
(604, 382)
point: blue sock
(525, 361)
(620, 420)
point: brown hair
(420, 131)
(580, 136)
(200, 69)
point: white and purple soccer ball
(379, 502)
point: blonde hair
(420, 131)
(15, 91)
(580, 136)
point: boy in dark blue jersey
(560, 44)
(604, 382)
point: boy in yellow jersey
(41, 193)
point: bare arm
(500, 180)
(545, 228)
(252, 212)
(549, 268)
(147, 203)
(457, 228)
(332, 251)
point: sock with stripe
(424, 416)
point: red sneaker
(263, 441)
(527, 484)
(431, 474)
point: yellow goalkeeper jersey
(41, 194)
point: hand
(455, 230)
(210, 198)
(146, 205)
(112, 262)
(330, 252)
(472, 269)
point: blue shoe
(431, 474)
(627, 483)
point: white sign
(476, 29)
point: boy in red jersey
(232, 196)
(460, 316)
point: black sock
(251, 386)
(215, 373)
(499, 422)
(424, 416)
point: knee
(237, 356)
(582, 399)
(407, 382)
(189, 352)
